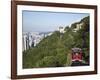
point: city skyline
(42, 21)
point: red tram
(76, 54)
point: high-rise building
(24, 42)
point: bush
(48, 61)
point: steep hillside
(55, 50)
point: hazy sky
(36, 21)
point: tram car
(76, 54)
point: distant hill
(55, 50)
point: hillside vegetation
(55, 50)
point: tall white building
(24, 42)
(27, 41)
(61, 29)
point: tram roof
(76, 49)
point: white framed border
(21, 71)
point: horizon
(43, 21)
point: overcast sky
(36, 21)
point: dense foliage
(55, 50)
